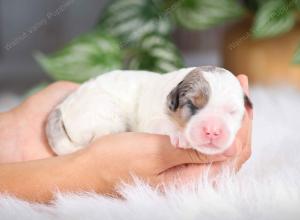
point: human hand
(24, 135)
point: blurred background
(47, 40)
(19, 70)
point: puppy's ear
(173, 99)
(247, 102)
(193, 86)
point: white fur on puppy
(200, 108)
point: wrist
(91, 170)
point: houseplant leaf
(273, 18)
(254, 5)
(203, 14)
(156, 53)
(131, 20)
(297, 4)
(85, 57)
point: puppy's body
(174, 104)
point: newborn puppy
(200, 108)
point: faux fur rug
(268, 186)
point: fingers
(240, 150)
(243, 136)
(246, 149)
(242, 156)
(244, 83)
(193, 156)
(231, 151)
(159, 150)
(176, 156)
(242, 143)
(184, 174)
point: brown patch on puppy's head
(190, 95)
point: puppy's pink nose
(212, 132)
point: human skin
(31, 171)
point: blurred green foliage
(137, 34)
(273, 18)
(203, 14)
(85, 57)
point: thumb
(244, 83)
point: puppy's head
(208, 106)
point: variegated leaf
(85, 57)
(203, 14)
(156, 53)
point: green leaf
(85, 57)
(273, 18)
(156, 53)
(132, 20)
(297, 4)
(253, 5)
(296, 59)
(203, 14)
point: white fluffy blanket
(268, 186)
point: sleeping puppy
(200, 108)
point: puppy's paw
(178, 140)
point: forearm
(8, 134)
(39, 180)
(6, 131)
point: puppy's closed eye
(192, 108)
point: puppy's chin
(209, 150)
